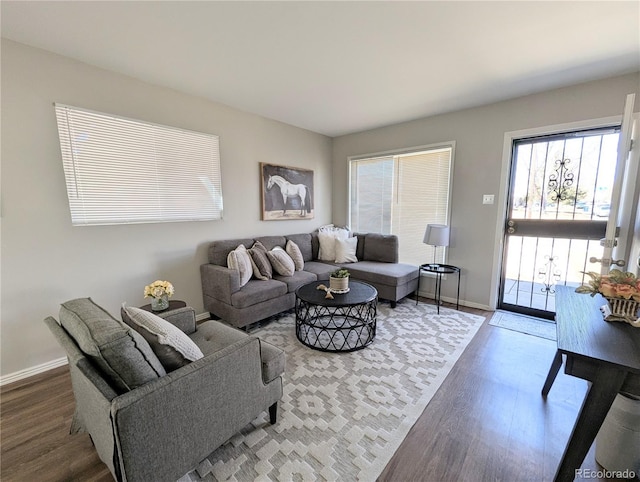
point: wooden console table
(607, 354)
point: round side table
(173, 305)
(439, 270)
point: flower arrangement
(617, 284)
(158, 289)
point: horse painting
(289, 190)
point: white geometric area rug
(343, 415)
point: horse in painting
(291, 190)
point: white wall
(45, 260)
(479, 135)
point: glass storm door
(559, 203)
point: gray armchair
(159, 426)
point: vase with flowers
(622, 292)
(159, 292)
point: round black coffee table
(342, 324)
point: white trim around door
(503, 192)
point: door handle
(617, 262)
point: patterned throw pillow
(293, 250)
(281, 261)
(171, 345)
(240, 261)
(261, 265)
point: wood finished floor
(487, 422)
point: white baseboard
(468, 304)
(29, 372)
(203, 316)
(36, 370)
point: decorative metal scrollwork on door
(549, 274)
(560, 181)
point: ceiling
(341, 67)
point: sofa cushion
(213, 336)
(296, 280)
(173, 348)
(304, 243)
(124, 357)
(271, 242)
(380, 247)
(360, 249)
(293, 250)
(315, 246)
(281, 261)
(240, 260)
(321, 270)
(346, 250)
(256, 291)
(219, 250)
(391, 274)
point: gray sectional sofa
(258, 299)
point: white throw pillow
(326, 227)
(346, 250)
(327, 237)
(293, 250)
(240, 260)
(327, 251)
(281, 261)
(170, 344)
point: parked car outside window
(602, 210)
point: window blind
(400, 194)
(371, 195)
(423, 198)
(120, 170)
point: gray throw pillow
(172, 346)
(261, 265)
(121, 354)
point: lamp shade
(436, 235)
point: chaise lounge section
(240, 306)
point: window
(400, 193)
(120, 170)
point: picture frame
(287, 192)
